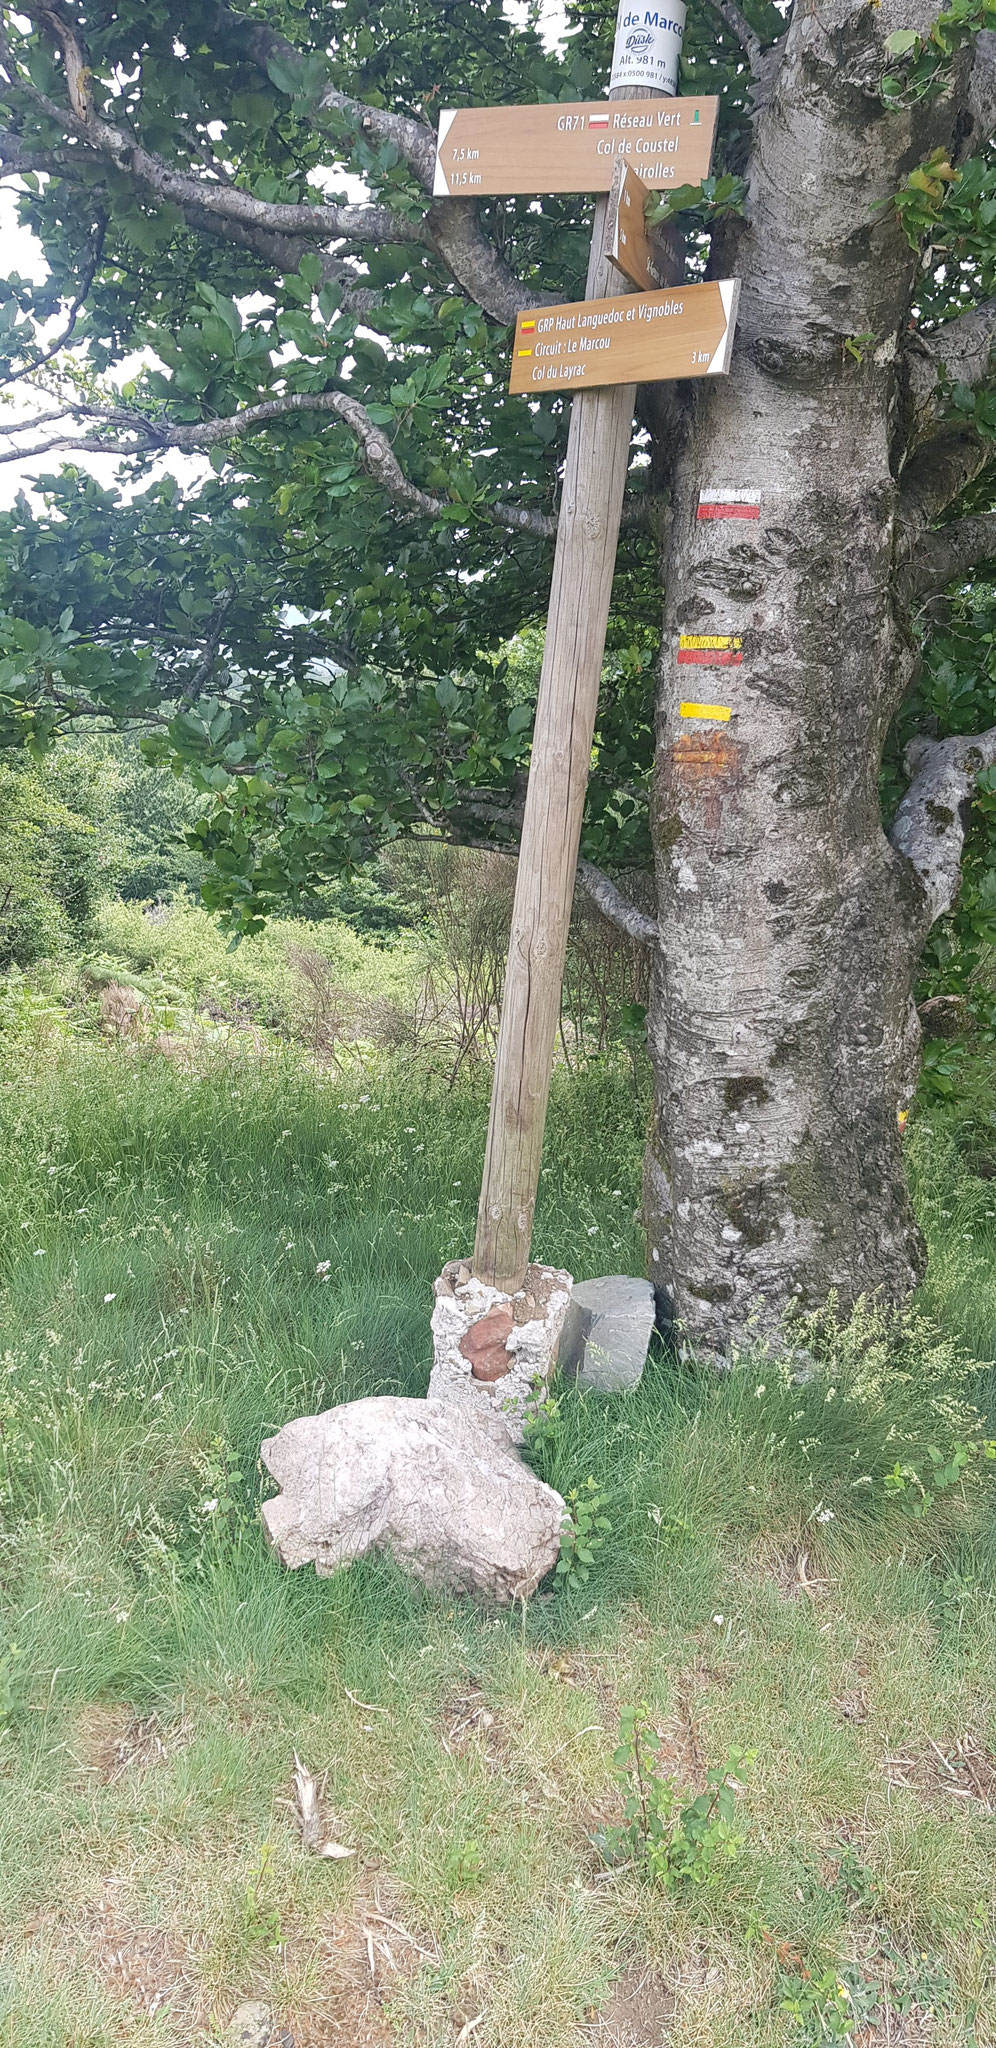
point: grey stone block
(607, 1333)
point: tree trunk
(780, 1026)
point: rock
(607, 1333)
(493, 1352)
(437, 1485)
(250, 2027)
(485, 1344)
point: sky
(22, 252)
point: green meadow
(783, 1575)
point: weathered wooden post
(598, 448)
(498, 1318)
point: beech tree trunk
(789, 927)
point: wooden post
(587, 536)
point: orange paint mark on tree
(704, 767)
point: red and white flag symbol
(729, 505)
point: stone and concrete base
(607, 1333)
(494, 1352)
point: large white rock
(437, 1485)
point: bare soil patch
(637, 2013)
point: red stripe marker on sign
(710, 650)
(729, 505)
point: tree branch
(413, 139)
(929, 826)
(148, 436)
(450, 228)
(316, 222)
(951, 552)
(981, 95)
(284, 253)
(616, 907)
(65, 336)
(737, 21)
(959, 352)
(489, 808)
(945, 454)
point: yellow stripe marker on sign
(720, 711)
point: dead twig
(307, 1805)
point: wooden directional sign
(571, 146)
(631, 245)
(686, 332)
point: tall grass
(161, 1235)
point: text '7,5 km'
(488, 151)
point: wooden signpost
(604, 347)
(572, 146)
(685, 332)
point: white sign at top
(648, 46)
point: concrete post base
(493, 1351)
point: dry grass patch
(963, 1769)
(470, 1724)
(141, 1966)
(788, 1563)
(110, 1740)
(360, 1962)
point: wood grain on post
(587, 537)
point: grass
(761, 1588)
(186, 949)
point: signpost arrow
(686, 332)
(572, 146)
(634, 249)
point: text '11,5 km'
(493, 151)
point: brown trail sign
(684, 332)
(572, 146)
(632, 246)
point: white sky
(21, 251)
